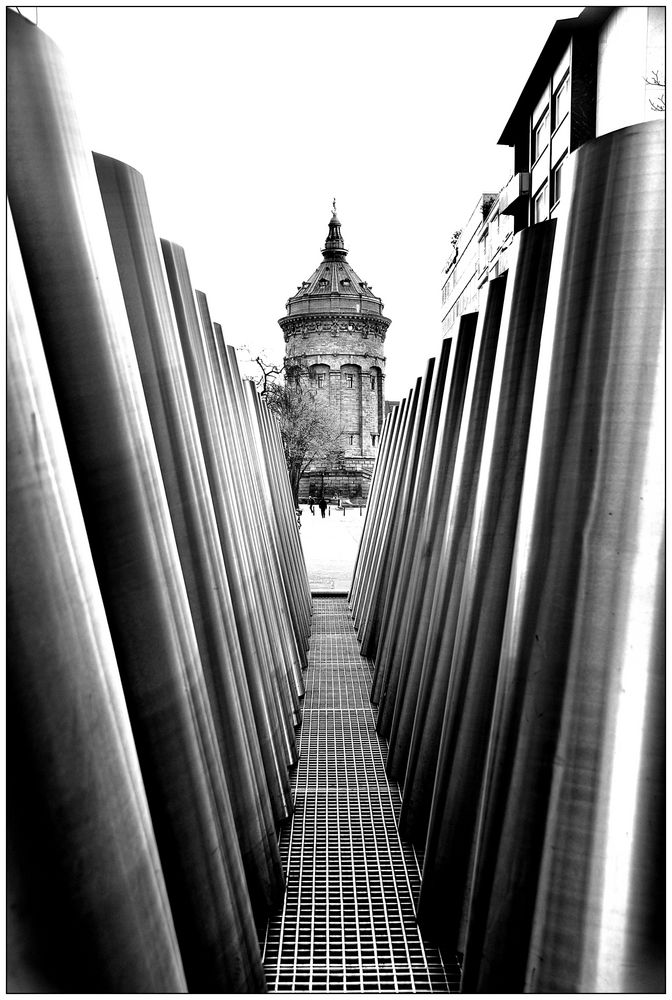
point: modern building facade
(594, 75)
(598, 72)
(335, 338)
(479, 254)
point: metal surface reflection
(478, 635)
(369, 629)
(571, 810)
(437, 657)
(397, 711)
(410, 467)
(272, 727)
(374, 515)
(386, 661)
(372, 507)
(80, 311)
(87, 908)
(171, 412)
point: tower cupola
(334, 248)
(334, 287)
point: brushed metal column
(403, 516)
(271, 728)
(75, 289)
(473, 675)
(171, 412)
(87, 904)
(572, 814)
(281, 511)
(373, 512)
(395, 718)
(368, 630)
(436, 662)
(251, 529)
(371, 506)
(284, 506)
(291, 658)
(381, 524)
(387, 659)
(277, 510)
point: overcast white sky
(245, 123)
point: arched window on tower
(352, 385)
(319, 377)
(376, 382)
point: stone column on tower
(335, 331)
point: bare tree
(307, 432)
(269, 371)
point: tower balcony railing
(337, 303)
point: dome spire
(334, 248)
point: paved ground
(330, 546)
(348, 920)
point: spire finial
(334, 248)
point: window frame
(545, 118)
(555, 197)
(543, 189)
(562, 87)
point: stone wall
(345, 360)
(344, 356)
(351, 479)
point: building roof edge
(561, 32)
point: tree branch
(654, 80)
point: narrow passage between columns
(348, 920)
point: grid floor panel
(348, 918)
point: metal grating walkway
(348, 922)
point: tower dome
(334, 331)
(334, 286)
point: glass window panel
(561, 69)
(542, 106)
(482, 255)
(540, 135)
(561, 102)
(541, 204)
(556, 181)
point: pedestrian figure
(310, 505)
(298, 516)
(323, 505)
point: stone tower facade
(335, 331)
